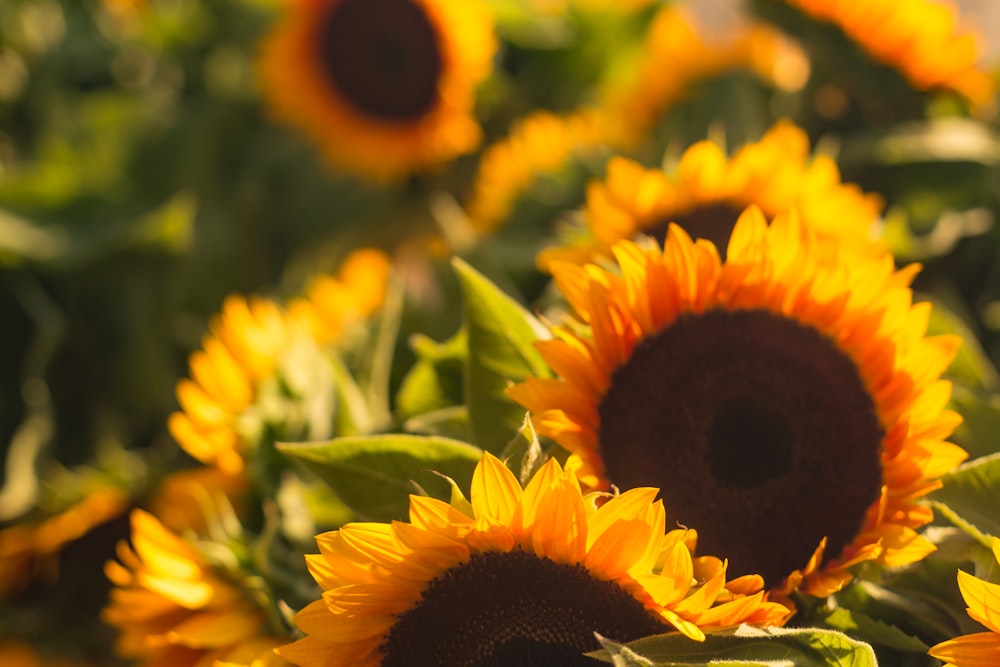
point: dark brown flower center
(713, 222)
(514, 609)
(382, 56)
(759, 431)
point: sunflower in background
(174, 607)
(245, 368)
(788, 404)
(706, 192)
(30, 549)
(385, 88)
(980, 648)
(920, 39)
(676, 57)
(514, 576)
(247, 338)
(538, 145)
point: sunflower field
(360, 333)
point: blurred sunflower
(707, 192)
(920, 39)
(171, 605)
(248, 341)
(540, 144)
(384, 87)
(185, 500)
(981, 648)
(30, 548)
(676, 56)
(334, 303)
(517, 573)
(242, 349)
(790, 408)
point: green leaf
(354, 414)
(922, 600)
(980, 412)
(450, 422)
(501, 334)
(435, 380)
(375, 475)
(972, 364)
(970, 496)
(874, 631)
(745, 645)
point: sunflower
(170, 604)
(186, 499)
(540, 144)
(385, 87)
(920, 39)
(981, 648)
(242, 349)
(790, 408)
(706, 193)
(246, 345)
(676, 56)
(29, 548)
(334, 303)
(516, 573)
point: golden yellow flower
(334, 303)
(980, 649)
(676, 56)
(243, 347)
(384, 87)
(249, 338)
(171, 606)
(185, 499)
(540, 144)
(791, 409)
(519, 571)
(706, 193)
(918, 38)
(31, 547)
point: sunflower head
(707, 191)
(921, 40)
(335, 303)
(384, 87)
(30, 548)
(170, 605)
(519, 572)
(677, 56)
(979, 648)
(259, 359)
(788, 403)
(243, 349)
(539, 145)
